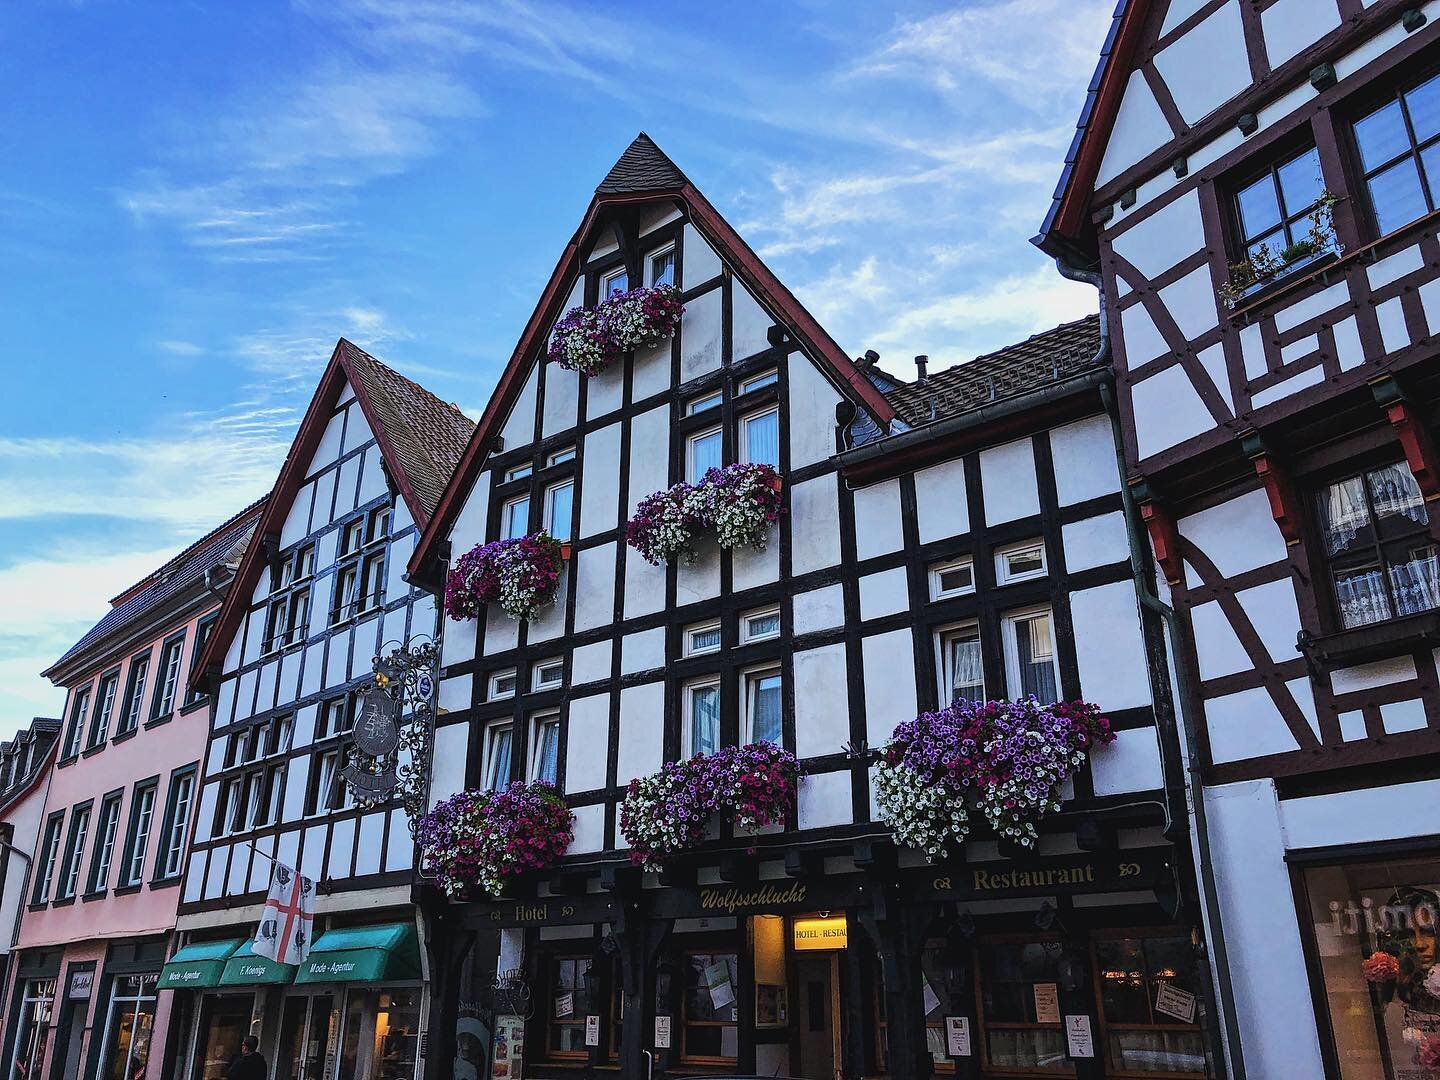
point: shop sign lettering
(533, 913)
(1089, 874)
(1350, 918)
(733, 899)
(333, 967)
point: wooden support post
(898, 932)
(639, 936)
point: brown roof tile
(643, 167)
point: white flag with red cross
(289, 918)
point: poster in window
(592, 1030)
(957, 1036)
(1047, 1003)
(507, 1059)
(717, 981)
(1079, 1042)
(565, 1005)
(662, 1033)
(931, 999)
(1172, 1001)
(770, 1005)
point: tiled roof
(1045, 358)
(643, 167)
(43, 733)
(427, 435)
(220, 546)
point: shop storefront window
(572, 993)
(710, 1029)
(382, 1034)
(128, 1026)
(1019, 1008)
(936, 1001)
(1147, 989)
(304, 1038)
(36, 1009)
(1373, 928)
(224, 1021)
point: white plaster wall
(1246, 724)
(889, 671)
(519, 428)
(649, 455)
(1207, 66)
(644, 586)
(1007, 481)
(1237, 535)
(824, 800)
(701, 261)
(599, 490)
(878, 529)
(885, 593)
(588, 743)
(812, 413)
(700, 335)
(1142, 339)
(1108, 647)
(1291, 25)
(642, 731)
(1168, 411)
(594, 586)
(562, 400)
(819, 609)
(1192, 303)
(590, 662)
(814, 524)
(941, 509)
(699, 580)
(328, 449)
(589, 829)
(749, 323)
(1083, 457)
(1156, 243)
(1095, 541)
(1217, 648)
(822, 708)
(1130, 763)
(371, 847)
(1140, 128)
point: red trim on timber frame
(1418, 445)
(1280, 490)
(758, 277)
(1165, 539)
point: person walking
(249, 1064)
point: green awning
(244, 968)
(199, 965)
(363, 954)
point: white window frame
(742, 448)
(943, 636)
(690, 443)
(182, 798)
(702, 628)
(494, 693)
(1009, 623)
(749, 682)
(687, 746)
(608, 276)
(74, 853)
(505, 515)
(747, 635)
(537, 722)
(650, 258)
(519, 472)
(705, 402)
(489, 781)
(537, 683)
(559, 457)
(937, 588)
(756, 382)
(1002, 557)
(549, 508)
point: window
(137, 840)
(559, 457)
(321, 795)
(360, 573)
(764, 707)
(177, 823)
(1273, 210)
(105, 830)
(515, 518)
(705, 401)
(203, 629)
(502, 684)
(952, 579)
(372, 581)
(548, 674)
(701, 734)
(74, 851)
(613, 281)
(1137, 975)
(1012, 1034)
(352, 537)
(558, 500)
(702, 453)
(1399, 145)
(755, 382)
(702, 639)
(760, 625)
(1030, 655)
(100, 719)
(134, 695)
(37, 1008)
(337, 716)
(49, 855)
(347, 580)
(519, 472)
(129, 1024)
(962, 672)
(289, 612)
(574, 994)
(164, 703)
(939, 1001)
(661, 266)
(709, 1017)
(1019, 562)
(760, 438)
(545, 747)
(77, 723)
(1376, 540)
(499, 739)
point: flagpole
(250, 844)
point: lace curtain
(1394, 491)
(967, 676)
(1345, 514)
(1362, 598)
(1417, 582)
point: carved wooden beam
(1279, 488)
(1414, 436)
(1164, 536)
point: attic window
(613, 282)
(661, 266)
(755, 382)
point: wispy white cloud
(176, 347)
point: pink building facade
(82, 997)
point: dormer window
(613, 281)
(661, 267)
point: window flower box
(589, 340)
(521, 575)
(1261, 269)
(739, 503)
(1004, 760)
(476, 841)
(671, 811)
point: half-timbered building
(320, 594)
(963, 534)
(103, 877)
(1254, 185)
(25, 761)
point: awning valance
(244, 968)
(363, 954)
(198, 965)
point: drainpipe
(11, 849)
(1185, 684)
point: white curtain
(1362, 599)
(1343, 508)
(967, 675)
(1417, 582)
(704, 720)
(1394, 491)
(765, 719)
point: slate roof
(44, 732)
(1047, 357)
(643, 167)
(427, 436)
(220, 546)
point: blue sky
(197, 198)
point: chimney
(920, 364)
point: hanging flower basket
(521, 575)
(670, 811)
(665, 525)
(589, 340)
(474, 841)
(1006, 760)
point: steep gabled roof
(222, 545)
(420, 437)
(43, 732)
(643, 173)
(1047, 357)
